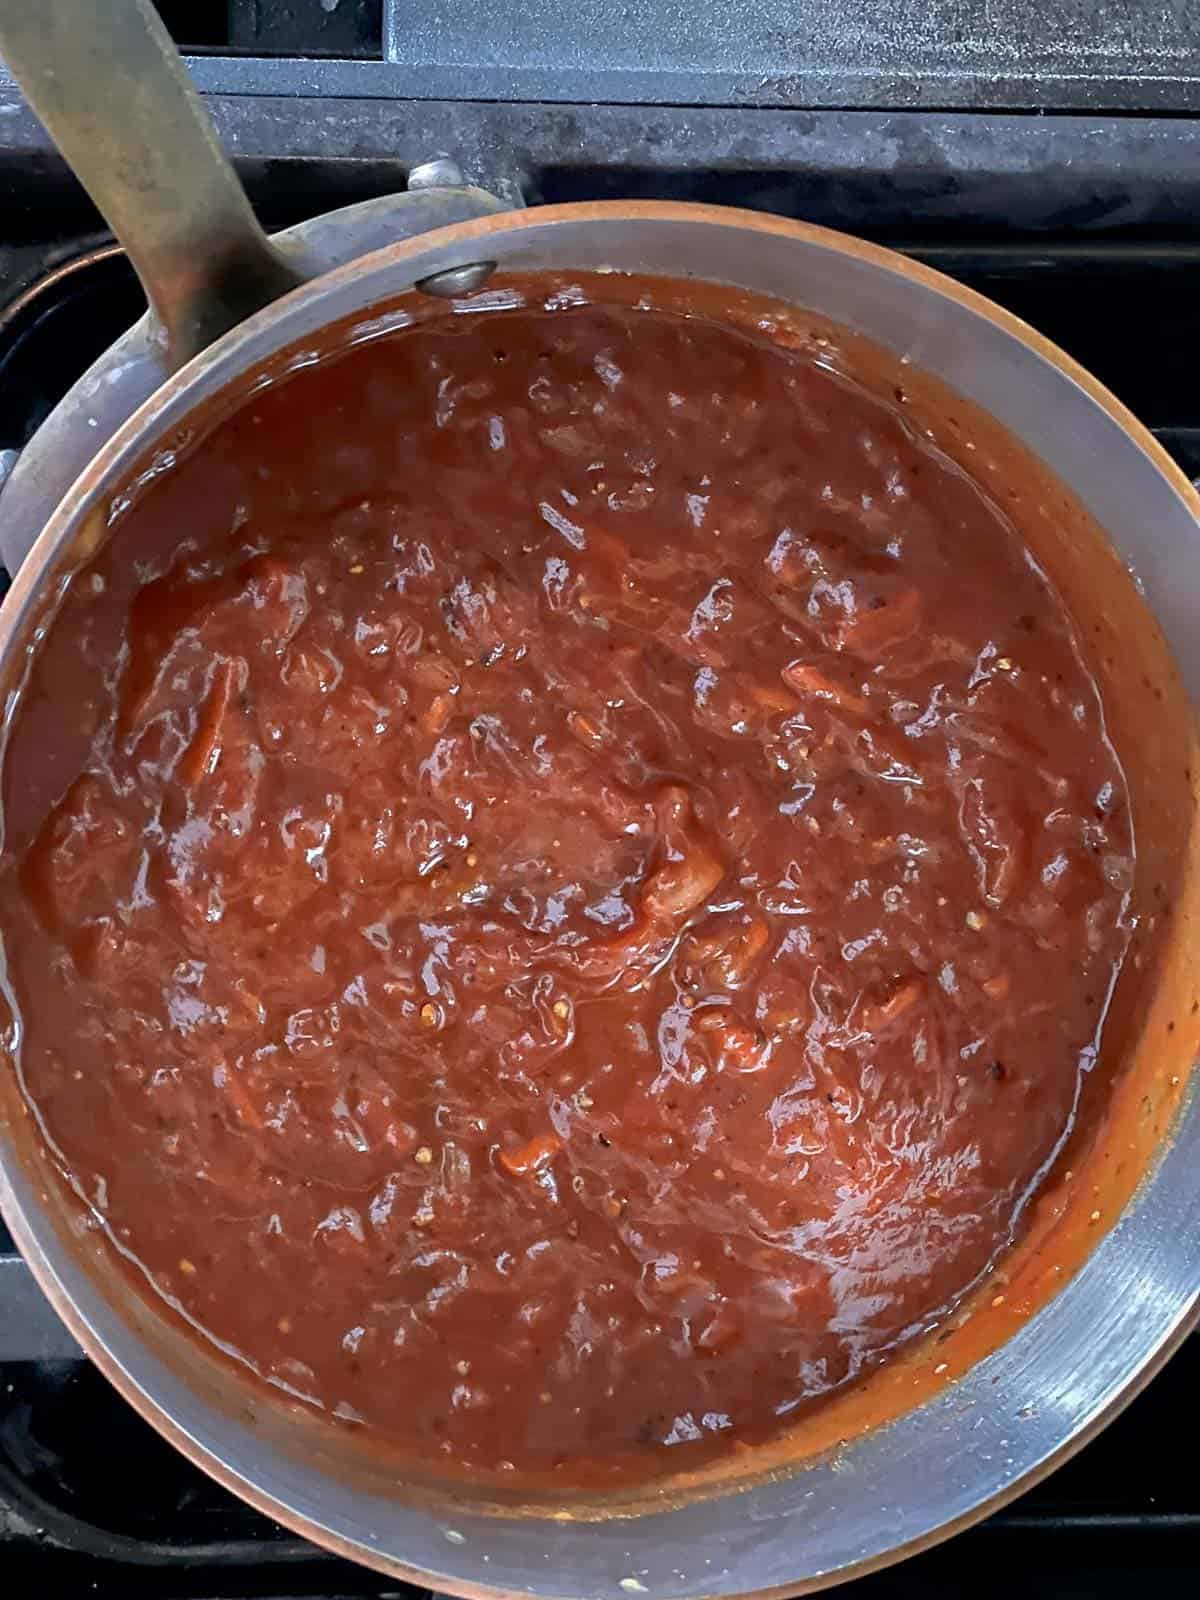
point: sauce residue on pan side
(575, 875)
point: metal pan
(1107, 1280)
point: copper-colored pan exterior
(1107, 1281)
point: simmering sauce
(563, 869)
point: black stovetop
(1089, 227)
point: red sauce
(571, 881)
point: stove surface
(980, 53)
(1088, 227)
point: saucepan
(1106, 1281)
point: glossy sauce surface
(572, 880)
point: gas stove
(1023, 148)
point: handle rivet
(439, 172)
(455, 281)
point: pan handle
(115, 96)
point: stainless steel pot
(1108, 1280)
